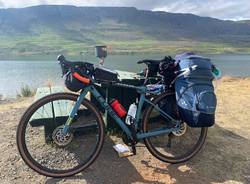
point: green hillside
(50, 30)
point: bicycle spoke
(52, 150)
(178, 145)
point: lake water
(14, 74)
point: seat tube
(139, 110)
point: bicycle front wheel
(46, 150)
(174, 147)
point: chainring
(126, 140)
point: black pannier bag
(167, 68)
(152, 69)
(103, 74)
(83, 68)
(196, 100)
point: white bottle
(131, 114)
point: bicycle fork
(74, 112)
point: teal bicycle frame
(142, 90)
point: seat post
(101, 53)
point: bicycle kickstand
(133, 128)
(133, 148)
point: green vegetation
(26, 91)
(50, 30)
(38, 45)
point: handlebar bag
(195, 97)
(73, 84)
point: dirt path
(225, 157)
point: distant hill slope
(51, 29)
(245, 21)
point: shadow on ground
(108, 168)
(225, 158)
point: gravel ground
(225, 157)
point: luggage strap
(184, 72)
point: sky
(222, 9)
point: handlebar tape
(81, 78)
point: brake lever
(60, 58)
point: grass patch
(49, 43)
(26, 91)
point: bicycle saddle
(156, 62)
(149, 61)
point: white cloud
(1, 4)
(25, 3)
(223, 9)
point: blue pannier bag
(196, 100)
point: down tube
(110, 111)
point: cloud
(1, 4)
(25, 3)
(222, 9)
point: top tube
(140, 89)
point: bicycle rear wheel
(174, 147)
(44, 148)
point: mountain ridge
(51, 29)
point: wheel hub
(181, 131)
(59, 138)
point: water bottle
(131, 114)
(118, 108)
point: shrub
(26, 91)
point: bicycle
(78, 129)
